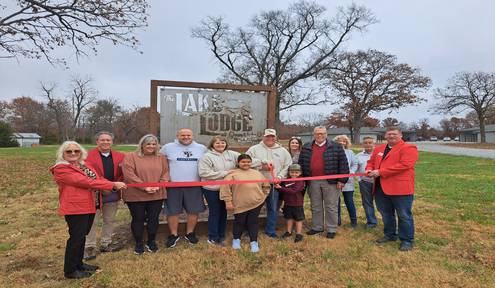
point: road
(446, 149)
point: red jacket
(396, 169)
(94, 160)
(75, 189)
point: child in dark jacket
(294, 202)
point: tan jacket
(245, 196)
(140, 169)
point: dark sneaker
(191, 237)
(354, 224)
(286, 235)
(88, 268)
(89, 253)
(405, 246)
(313, 232)
(271, 235)
(331, 235)
(77, 274)
(172, 241)
(370, 226)
(139, 249)
(385, 239)
(151, 246)
(299, 238)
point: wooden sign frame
(155, 121)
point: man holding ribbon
(392, 166)
(273, 161)
(323, 157)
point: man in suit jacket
(108, 164)
(392, 166)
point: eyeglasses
(72, 151)
(295, 137)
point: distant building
(376, 133)
(474, 135)
(27, 139)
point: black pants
(79, 227)
(247, 220)
(146, 211)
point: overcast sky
(440, 37)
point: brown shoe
(89, 253)
(110, 248)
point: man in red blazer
(108, 164)
(392, 165)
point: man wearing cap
(267, 155)
(319, 158)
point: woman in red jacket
(77, 202)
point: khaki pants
(109, 210)
(324, 198)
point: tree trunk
(482, 129)
(356, 129)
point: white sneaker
(254, 247)
(236, 244)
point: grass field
(455, 239)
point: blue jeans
(217, 215)
(388, 207)
(366, 190)
(351, 208)
(271, 212)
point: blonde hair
(348, 143)
(148, 138)
(60, 152)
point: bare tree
(390, 121)
(284, 49)
(469, 90)
(103, 114)
(4, 110)
(82, 94)
(60, 110)
(372, 81)
(451, 127)
(33, 29)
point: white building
(474, 135)
(27, 139)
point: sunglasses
(72, 151)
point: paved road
(445, 149)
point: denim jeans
(271, 211)
(217, 215)
(351, 208)
(400, 205)
(366, 190)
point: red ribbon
(230, 182)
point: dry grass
(454, 245)
(490, 146)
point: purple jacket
(293, 193)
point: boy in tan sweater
(245, 200)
